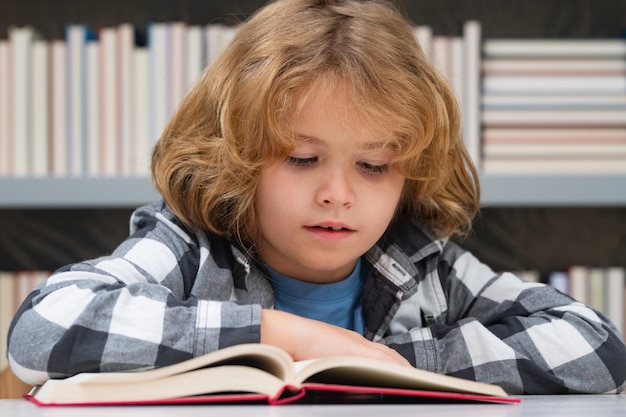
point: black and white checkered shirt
(168, 293)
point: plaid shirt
(169, 293)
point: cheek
(391, 192)
(275, 196)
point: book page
(366, 372)
(218, 380)
(256, 355)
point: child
(311, 180)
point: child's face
(332, 198)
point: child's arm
(305, 339)
(526, 337)
(132, 309)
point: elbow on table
(29, 349)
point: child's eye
(372, 169)
(301, 162)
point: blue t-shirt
(338, 303)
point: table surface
(531, 406)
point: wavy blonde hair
(235, 120)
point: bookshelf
(515, 197)
(543, 221)
(497, 191)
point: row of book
(603, 288)
(14, 288)
(94, 103)
(554, 106)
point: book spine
(601, 287)
(6, 151)
(195, 54)
(93, 108)
(126, 45)
(563, 48)
(40, 109)
(20, 39)
(59, 107)
(109, 102)
(159, 78)
(142, 140)
(76, 35)
(471, 95)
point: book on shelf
(7, 310)
(40, 108)
(516, 66)
(470, 107)
(76, 36)
(559, 280)
(195, 54)
(58, 108)
(6, 153)
(159, 70)
(92, 90)
(217, 36)
(110, 100)
(424, 36)
(266, 374)
(588, 150)
(125, 54)
(615, 291)
(554, 117)
(550, 165)
(553, 48)
(141, 112)
(21, 40)
(567, 135)
(554, 84)
(603, 288)
(553, 102)
(14, 288)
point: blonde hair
(235, 121)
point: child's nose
(336, 189)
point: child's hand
(305, 339)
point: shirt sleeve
(526, 337)
(133, 309)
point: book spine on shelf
(141, 104)
(110, 102)
(92, 86)
(58, 111)
(126, 45)
(20, 42)
(40, 109)
(551, 48)
(195, 50)
(6, 151)
(76, 38)
(470, 107)
(601, 287)
(14, 288)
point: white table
(531, 406)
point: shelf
(497, 190)
(114, 192)
(553, 190)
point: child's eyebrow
(377, 146)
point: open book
(263, 373)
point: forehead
(333, 106)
